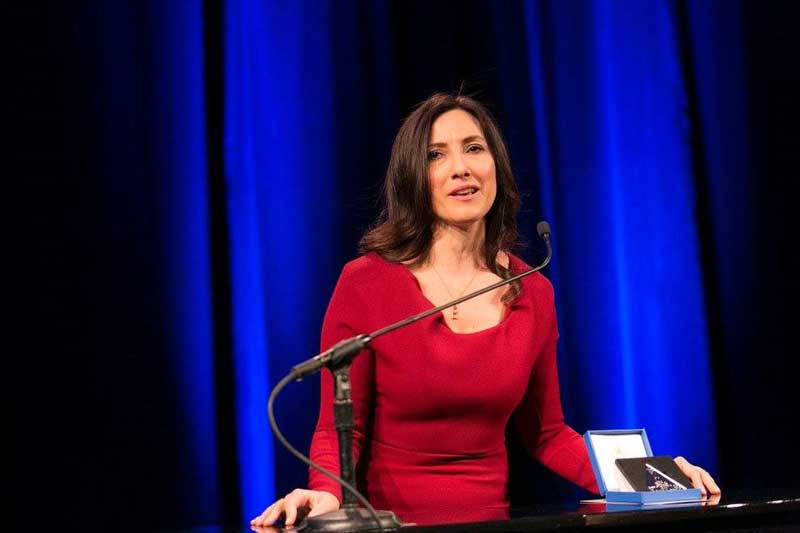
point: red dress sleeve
(539, 417)
(343, 319)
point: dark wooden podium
(779, 511)
(764, 511)
(737, 512)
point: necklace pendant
(455, 312)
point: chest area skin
(480, 313)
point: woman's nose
(460, 169)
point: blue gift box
(605, 447)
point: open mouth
(464, 194)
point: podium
(742, 512)
(734, 511)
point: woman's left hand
(700, 478)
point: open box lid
(606, 446)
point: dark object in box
(653, 473)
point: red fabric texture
(431, 406)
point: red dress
(431, 406)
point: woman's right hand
(317, 501)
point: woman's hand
(700, 478)
(317, 501)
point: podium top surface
(737, 511)
(774, 510)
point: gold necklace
(454, 314)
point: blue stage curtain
(747, 77)
(613, 142)
(170, 74)
(285, 205)
(297, 151)
(138, 118)
(180, 154)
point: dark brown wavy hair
(404, 229)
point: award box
(606, 446)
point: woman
(432, 401)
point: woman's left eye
(474, 148)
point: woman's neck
(457, 249)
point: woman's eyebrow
(465, 140)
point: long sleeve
(539, 417)
(343, 319)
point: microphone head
(543, 229)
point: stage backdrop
(220, 160)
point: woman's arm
(540, 420)
(343, 319)
(324, 443)
(539, 417)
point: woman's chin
(462, 221)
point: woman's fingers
(260, 519)
(323, 502)
(264, 529)
(291, 511)
(700, 478)
(692, 473)
(709, 482)
(270, 514)
(275, 512)
(319, 502)
(293, 501)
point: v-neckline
(440, 316)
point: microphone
(343, 352)
(543, 229)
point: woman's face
(460, 169)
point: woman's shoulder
(371, 268)
(536, 285)
(367, 264)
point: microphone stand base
(350, 520)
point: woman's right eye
(433, 155)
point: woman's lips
(464, 194)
